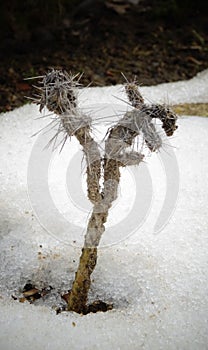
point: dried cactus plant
(59, 95)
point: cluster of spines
(163, 113)
(134, 95)
(58, 92)
(147, 114)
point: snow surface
(158, 283)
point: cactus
(59, 95)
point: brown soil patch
(102, 43)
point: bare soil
(102, 43)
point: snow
(157, 282)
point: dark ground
(154, 47)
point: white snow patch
(157, 283)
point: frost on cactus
(58, 92)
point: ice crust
(157, 283)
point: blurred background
(156, 41)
